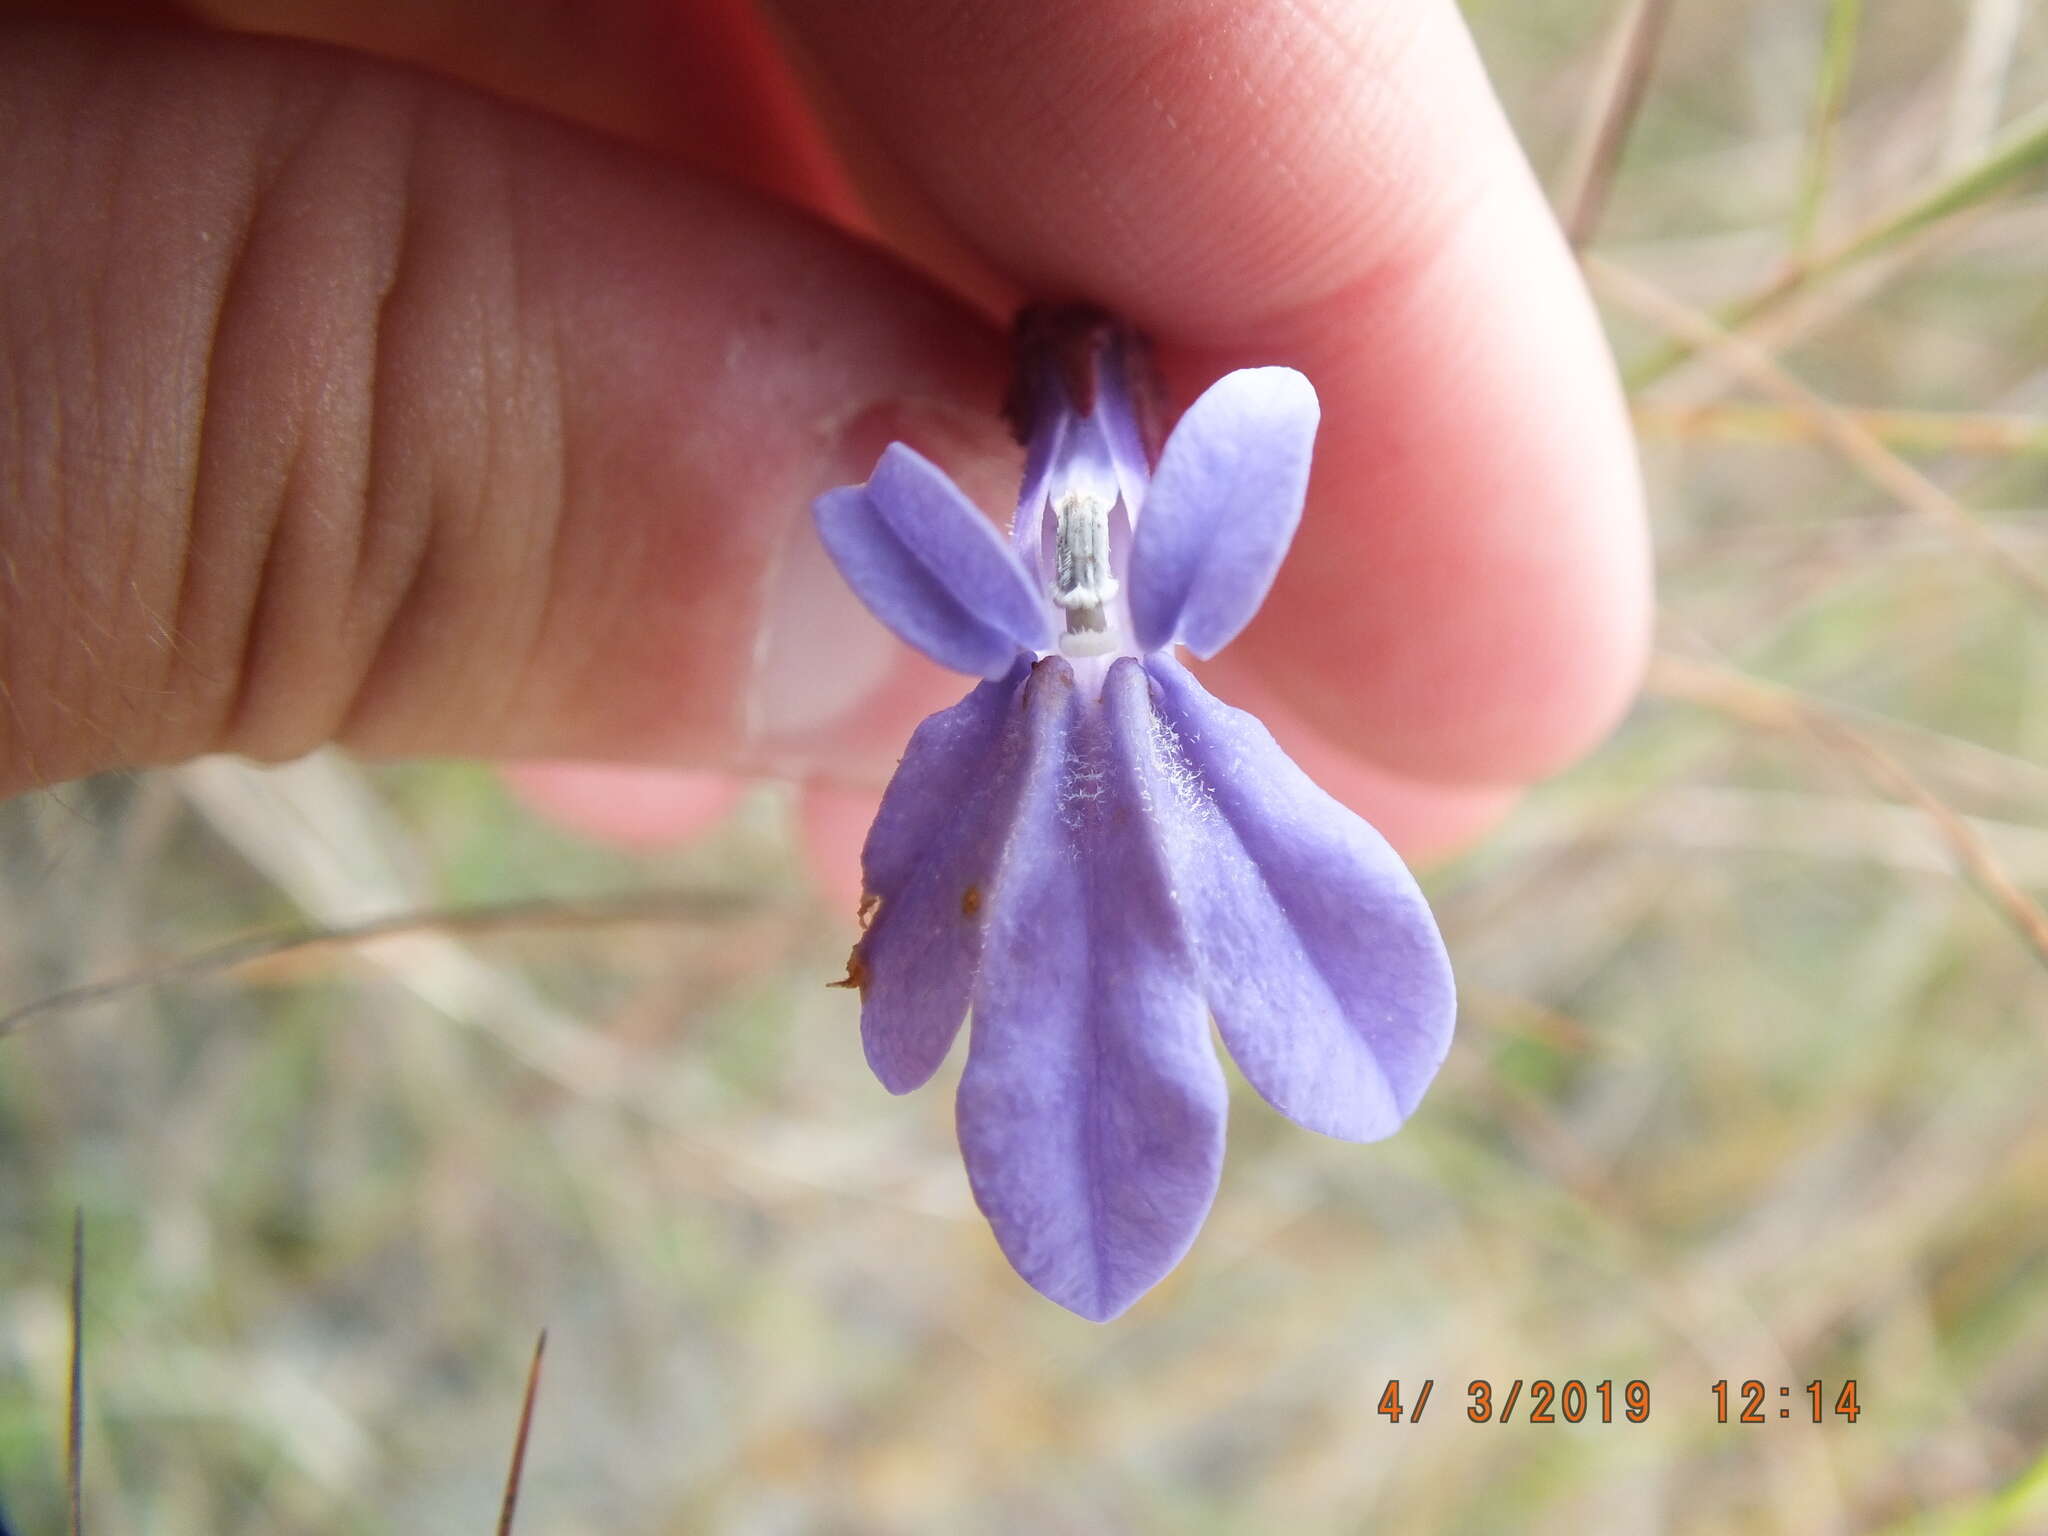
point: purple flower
(1094, 857)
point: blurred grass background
(1749, 1083)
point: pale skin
(342, 400)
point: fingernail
(832, 691)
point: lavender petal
(1319, 956)
(1027, 526)
(1222, 509)
(1092, 1109)
(931, 567)
(929, 860)
(1117, 412)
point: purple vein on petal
(928, 865)
(1319, 956)
(1092, 1109)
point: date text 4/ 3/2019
(1541, 1401)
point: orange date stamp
(1546, 1401)
(1753, 1402)
(1541, 1401)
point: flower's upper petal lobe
(1027, 526)
(931, 567)
(1092, 1109)
(1117, 410)
(929, 861)
(1222, 509)
(1319, 956)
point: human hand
(344, 402)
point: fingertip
(832, 827)
(634, 808)
(1470, 597)
(1424, 821)
(1335, 188)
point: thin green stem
(2022, 146)
(1838, 54)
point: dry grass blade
(1845, 19)
(1769, 708)
(2022, 146)
(518, 1469)
(1990, 39)
(649, 907)
(74, 1437)
(320, 829)
(1631, 56)
(1973, 432)
(1833, 425)
(1823, 828)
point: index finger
(1330, 185)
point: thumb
(340, 403)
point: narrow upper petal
(931, 567)
(1319, 956)
(1027, 527)
(1117, 410)
(928, 865)
(1092, 1110)
(1222, 509)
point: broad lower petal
(931, 567)
(1319, 956)
(929, 861)
(1222, 509)
(1093, 1107)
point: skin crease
(442, 423)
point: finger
(704, 83)
(832, 827)
(635, 808)
(701, 82)
(340, 402)
(1328, 184)
(1425, 821)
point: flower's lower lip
(1094, 860)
